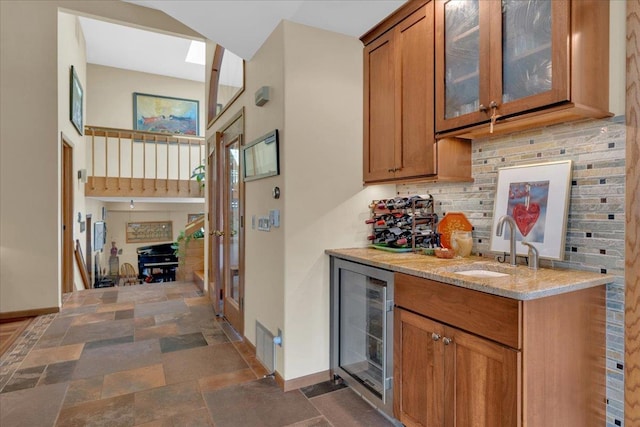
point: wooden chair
(128, 274)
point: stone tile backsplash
(595, 227)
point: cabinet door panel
(534, 57)
(482, 380)
(415, 156)
(379, 112)
(418, 374)
(462, 55)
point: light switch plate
(263, 223)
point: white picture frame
(536, 196)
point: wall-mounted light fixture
(262, 96)
(131, 205)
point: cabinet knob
(493, 104)
(447, 341)
(435, 336)
(482, 108)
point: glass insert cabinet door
(499, 57)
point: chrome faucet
(532, 255)
(512, 240)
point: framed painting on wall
(75, 101)
(537, 198)
(166, 114)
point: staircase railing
(122, 161)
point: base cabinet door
(419, 377)
(447, 377)
(481, 382)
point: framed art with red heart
(537, 198)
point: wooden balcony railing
(130, 163)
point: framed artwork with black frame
(155, 113)
(76, 94)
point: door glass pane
(362, 320)
(233, 217)
(526, 48)
(462, 57)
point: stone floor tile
(118, 306)
(144, 322)
(107, 342)
(24, 378)
(58, 372)
(116, 411)
(84, 319)
(345, 408)
(46, 356)
(157, 331)
(84, 390)
(167, 401)
(182, 342)
(258, 403)
(98, 331)
(133, 380)
(17, 408)
(197, 301)
(198, 418)
(194, 363)
(162, 307)
(124, 314)
(115, 358)
(313, 422)
(215, 382)
(214, 336)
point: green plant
(199, 173)
(180, 251)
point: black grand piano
(157, 263)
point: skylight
(196, 53)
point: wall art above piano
(149, 231)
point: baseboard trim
(17, 315)
(295, 383)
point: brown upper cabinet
(507, 65)
(399, 134)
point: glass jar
(461, 243)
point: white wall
(110, 94)
(326, 204)
(317, 107)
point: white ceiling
(241, 26)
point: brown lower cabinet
(468, 358)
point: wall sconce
(131, 205)
(262, 96)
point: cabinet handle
(435, 336)
(447, 341)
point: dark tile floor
(155, 356)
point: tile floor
(155, 356)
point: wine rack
(403, 224)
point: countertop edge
(477, 284)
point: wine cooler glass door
(362, 329)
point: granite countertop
(519, 283)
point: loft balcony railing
(131, 163)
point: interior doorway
(229, 220)
(67, 217)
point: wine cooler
(362, 330)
